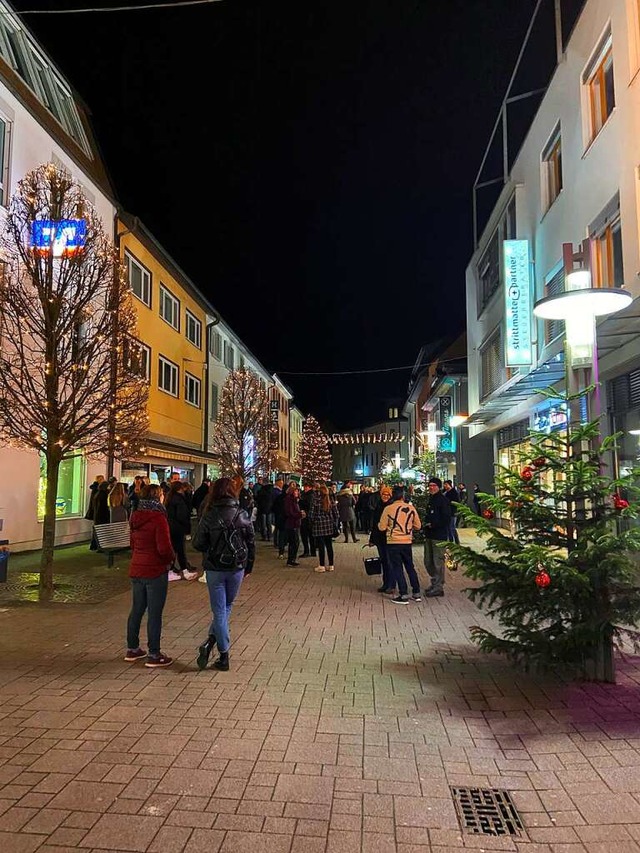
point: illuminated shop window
(70, 499)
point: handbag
(372, 565)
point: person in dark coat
(221, 507)
(277, 508)
(308, 541)
(293, 516)
(200, 494)
(346, 510)
(93, 488)
(264, 504)
(452, 495)
(179, 517)
(324, 520)
(476, 499)
(436, 529)
(151, 556)
(100, 510)
(378, 538)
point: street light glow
(592, 302)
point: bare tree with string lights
(68, 379)
(241, 431)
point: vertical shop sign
(447, 441)
(517, 293)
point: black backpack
(229, 551)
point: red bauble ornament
(488, 514)
(543, 579)
(539, 461)
(620, 503)
(527, 473)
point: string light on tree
(314, 457)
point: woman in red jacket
(152, 554)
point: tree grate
(487, 811)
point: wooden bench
(113, 538)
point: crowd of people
(230, 514)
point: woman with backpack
(225, 536)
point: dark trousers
(324, 543)
(349, 527)
(388, 579)
(148, 594)
(280, 539)
(308, 542)
(452, 533)
(365, 520)
(401, 557)
(178, 540)
(293, 541)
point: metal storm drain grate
(487, 811)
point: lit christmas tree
(564, 586)
(241, 431)
(314, 456)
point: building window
(606, 234)
(5, 137)
(215, 345)
(491, 364)
(193, 329)
(70, 499)
(136, 358)
(139, 279)
(552, 169)
(229, 355)
(192, 390)
(554, 286)
(168, 376)
(215, 404)
(597, 81)
(169, 308)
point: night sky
(308, 164)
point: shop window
(168, 376)
(139, 279)
(491, 361)
(193, 329)
(552, 169)
(70, 499)
(169, 308)
(597, 81)
(192, 390)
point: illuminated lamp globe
(584, 302)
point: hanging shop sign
(62, 238)
(447, 439)
(517, 294)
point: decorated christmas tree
(562, 583)
(241, 431)
(314, 457)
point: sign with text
(517, 294)
(446, 441)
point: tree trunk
(49, 526)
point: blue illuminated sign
(63, 237)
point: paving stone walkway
(342, 726)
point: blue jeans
(223, 588)
(402, 556)
(149, 594)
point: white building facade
(576, 179)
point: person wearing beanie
(436, 530)
(398, 521)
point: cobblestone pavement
(342, 726)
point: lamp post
(579, 305)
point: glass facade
(70, 499)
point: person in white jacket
(398, 520)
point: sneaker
(330, 569)
(416, 596)
(293, 565)
(399, 599)
(302, 556)
(433, 593)
(174, 576)
(383, 589)
(203, 577)
(281, 556)
(319, 569)
(189, 576)
(356, 540)
(158, 660)
(135, 654)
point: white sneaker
(319, 569)
(189, 576)
(203, 577)
(330, 569)
(174, 576)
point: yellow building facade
(171, 351)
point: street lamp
(579, 305)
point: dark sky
(308, 164)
